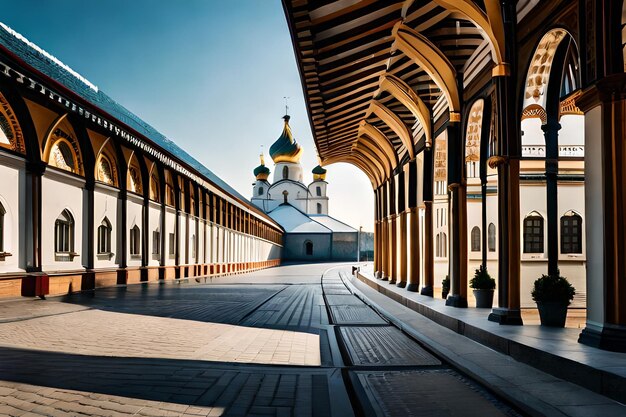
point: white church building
(302, 211)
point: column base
(378, 275)
(506, 316)
(456, 301)
(384, 277)
(609, 337)
(392, 280)
(427, 291)
(401, 284)
(413, 287)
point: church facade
(301, 210)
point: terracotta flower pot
(484, 298)
(552, 313)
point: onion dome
(319, 173)
(261, 172)
(285, 149)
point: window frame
(64, 237)
(491, 237)
(134, 242)
(567, 234)
(540, 235)
(475, 239)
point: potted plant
(482, 286)
(553, 293)
(445, 287)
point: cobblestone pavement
(257, 345)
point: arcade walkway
(288, 341)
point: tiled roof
(45, 64)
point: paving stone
(384, 346)
(357, 315)
(428, 393)
(343, 300)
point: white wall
(60, 191)
(134, 216)
(10, 199)
(170, 227)
(154, 219)
(105, 205)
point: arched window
(285, 172)
(308, 247)
(64, 234)
(260, 190)
(154, 189)
(438, 245)
(135, 241)
(444, 245)
(319, 208)
(472, 143)
(156, 242)
(105, 171)
(491, 237)
(475, 235)
(571, 233)
(61, 156)
(193, 248)
(533, 233)
(2, 213)
(104, 237)
(318, 191)
(134, 181)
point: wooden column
(413, 233)
(401, 230)
(384, 253)
(429, 255)
(458, 218)
(393, 232)
(506, 159)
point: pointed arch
(106, 169)
(418, 48)
(11, 135)
(61, 149)
(134, 180)
(155, 184)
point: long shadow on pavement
(243, 389)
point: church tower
(261, 186)
(318, 201)
(286, 153)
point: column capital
(496, 160)
(455, 117)
(502, 69)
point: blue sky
(209, 74)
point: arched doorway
(308, 248)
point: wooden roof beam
(433, 61)
(380, 139)
(409, 98)
(395, 123)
